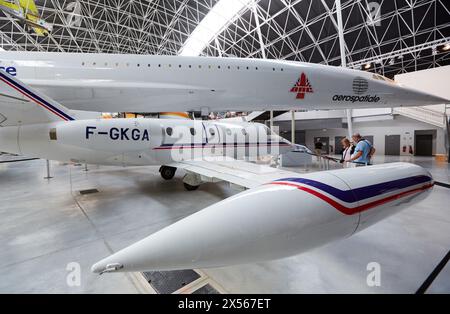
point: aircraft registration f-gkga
(146, 83)
(281, 214)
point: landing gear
(190, 187)
(191, 181)
(167, 172)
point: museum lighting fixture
(220, 16)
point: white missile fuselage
(147, 83)
(139, 142)
(281, 218)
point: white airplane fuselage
(146, 83)
(140, 141)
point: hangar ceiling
(387, 36)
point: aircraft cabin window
(138, 65)
(128, 64)
(229, 67)
(94, 63)
(256, 68)
(218, 67)
(52, 134)
(190, 66)
(247, 68)
(282, 70)
(82, 63)
(169, 131)
(244, 132)
(148, 65)
(238, 68)
(170, 65)
(228, 132)
(199, 66)
(212, 132)
(179, 65)
(159, 65)
(192, 130)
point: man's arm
(357, 155)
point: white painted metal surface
(140, 83)
(283, 218)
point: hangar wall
(402, 126)
(434, 81)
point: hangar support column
(340, 28)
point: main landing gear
(167, 172)
(191, 181)
(190, 187)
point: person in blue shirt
(363, 150)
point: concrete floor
(47, 224)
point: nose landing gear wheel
(190, 187)
(167, 173)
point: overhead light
(219, 17)
(367, 66)
(446, 47)
(391, 61)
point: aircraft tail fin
(20, 104)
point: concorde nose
(424, 98)
(406, 96)
(278, 219)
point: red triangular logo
(302, 87)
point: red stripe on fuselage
(187, 146)
(358, 209)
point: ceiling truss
(392, 36)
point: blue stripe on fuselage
(365, 192)
(30, 93)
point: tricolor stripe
(33, 97)
(218, 145)
(359, 194)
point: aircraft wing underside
(239, 173)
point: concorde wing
(238, 173)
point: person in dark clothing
(318, 149)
